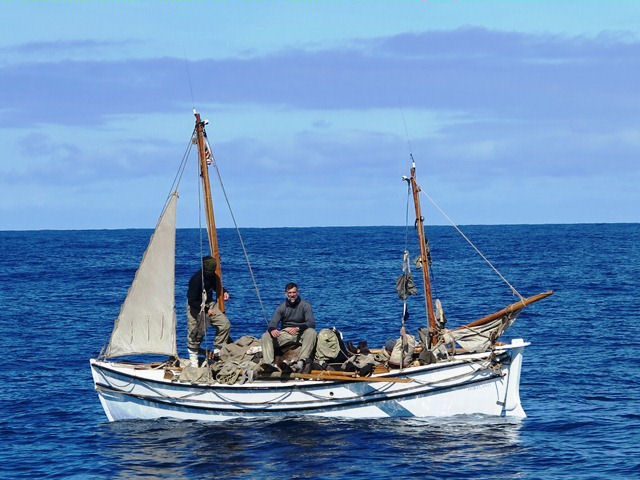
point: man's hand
(225, 295)
(292, 330)
(275, 333)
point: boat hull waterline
(479, 383)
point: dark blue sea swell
(61, 290)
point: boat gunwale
(303, 384)
(337, 403)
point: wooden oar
(333, 376)
(332, 372)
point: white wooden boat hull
(470, 384)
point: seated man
(295, 319)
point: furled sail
(147, 320)
(479, 338)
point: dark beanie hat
(389, 345)
(209, 265)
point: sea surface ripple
(61, 291)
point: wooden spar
(331, 377)
(424, 262)
(511, 308)
(211, 223)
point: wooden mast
(423, 260)
(211, 223)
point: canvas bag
(397, 357)
(242, 349)
(327, 345)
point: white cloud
(483, 110)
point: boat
(463, 370)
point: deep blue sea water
(61, 290)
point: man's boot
(193, 357)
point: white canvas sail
(147, 320)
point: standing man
(292, 322)
(203, 310)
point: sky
(515, 112)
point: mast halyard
(211, 223)
(423, 259)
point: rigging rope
(244, 250)
(183, 165)
(406, 268)
(433, 202)
(406, 217)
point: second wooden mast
(424, 257)
(211, 222)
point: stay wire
(406, 133)
(186, 66)
(235, 223)
(181, 168)
(198, 176)
(406, 217)
(406, 235)
(453, 224)
(406, 267)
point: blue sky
(515, 112)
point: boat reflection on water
(469, 445)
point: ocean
(61, 291)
